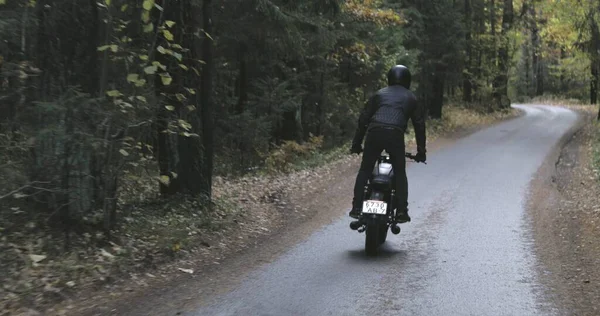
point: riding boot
(402, 214)
(356, 209)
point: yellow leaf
(207, 35)
(170, 107)
(34, 258)
(168, 35)
(124, 153)
(2, 1)
(113, 93)
(141, 98)
(164, 180)
(161, 50)
(114, 48)
(148, 4)
(140, 83)
(101, 48)
(124, 7)
(146, 16)
(159, 65)
(149, 27)
(150, 70)
(169, 23)
(133, 77)
(184, 67)
(180, 97)
(166, 79)
(107, 2)
(185, 125)
(143, 57)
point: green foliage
(564, 47)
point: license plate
(375, 207)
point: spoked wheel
(372, 236)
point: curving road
(466, 252)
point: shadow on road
(386, 253)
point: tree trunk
(42, 51)
(190, 148)
(319, 107)
(526, 57)
(563, 55)
(538, 77)
(242, 80)
(206, 93)
(500, 83)
(467, 75)
(594, 84)
(92, 67)
(64, 207)
(493, 18)
(168, 148)
(436, 97)
(594, 60)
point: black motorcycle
(377, 214)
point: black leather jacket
(392, 107)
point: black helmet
(399, 75)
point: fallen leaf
(190, 271)
(106, 254)
(37, 258)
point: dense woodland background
(183, 90)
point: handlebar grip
(411, 156)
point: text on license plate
(374, 207)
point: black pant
(392, 141)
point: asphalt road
(467, 251)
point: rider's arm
(363, 120)
(418, 120)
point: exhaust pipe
(355, 225)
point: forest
(98, 97)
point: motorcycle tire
(372, 234)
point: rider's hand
(421, 157)
(356, 149)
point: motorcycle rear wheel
(372, 235)
(383, 231)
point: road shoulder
(564, 211)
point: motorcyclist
(384, 119)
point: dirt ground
(565, 215)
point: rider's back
(395, 106)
